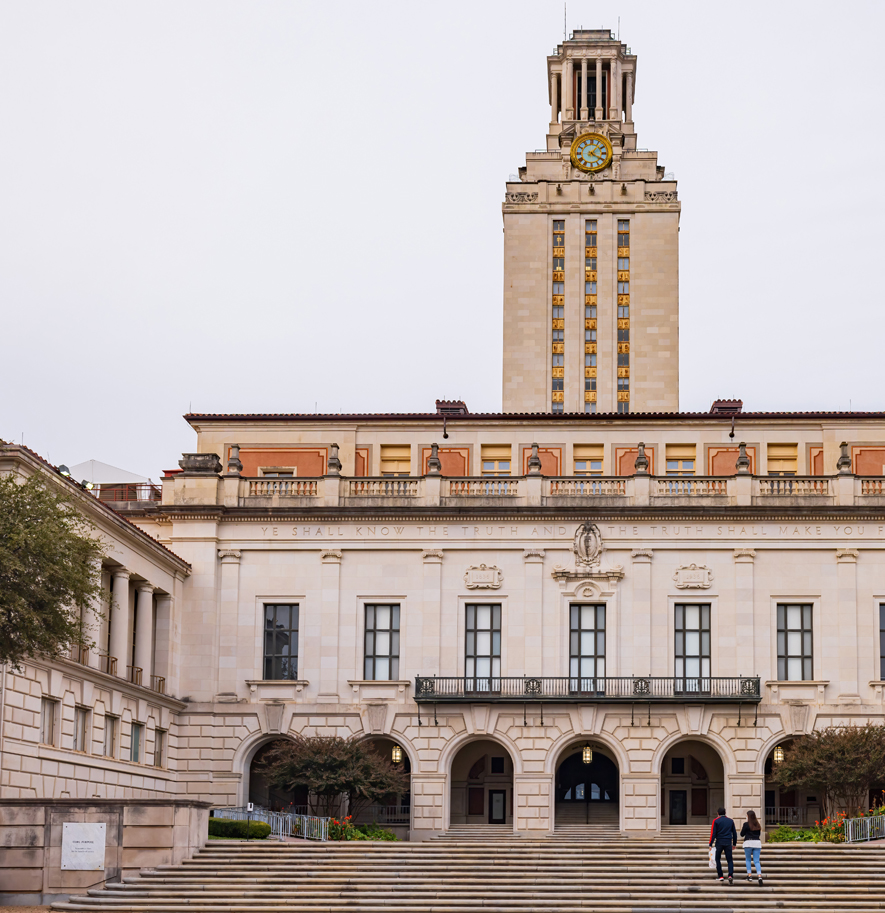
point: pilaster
(429, 631)
(744, 612)
(228, 612)
(849, 672)
(636, 634)
(329, 625)
(533, 613)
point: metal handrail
(785, 814)
(384, 814)
(158, 684)
(859, 830)
(282, 824)
(621, 689)
(125, 491)
(133, 674)
(107, 664)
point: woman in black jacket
(752, 835)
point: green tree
(331, 767)
(839, 763)
(48, 556)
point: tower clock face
(591, 152)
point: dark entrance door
(497, 806)
(678, 806)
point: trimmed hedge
(254, 830)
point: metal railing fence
(383, 814)
(858, 830)
(785, 815)
(282, 824)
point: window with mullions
(692, 648)
(623, 233)
(623, 407)
(590, 312)
(482, 648)
(624, 311)
(382, 643)
(587, 648)
(623, 288)
(794, 643)
(589, 288)
(280, 642)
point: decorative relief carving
(521, 198)
(331, 555)
(432, 554)
(846, 555)
(588, 545)
(693, 577)
(533, 553)
(638, 554)
(483, 577)
(229, 555)
(744, 555)
(588, 548)
(661, 196)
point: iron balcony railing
(621, 689)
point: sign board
(82, 846)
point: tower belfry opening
(591, 298)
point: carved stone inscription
(483, 577)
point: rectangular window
(110, 736)
(81, 729)
(623, 359)
(624, 335)
(588, 458)
(590, 335)
(159, 748)
(692, 648)
(623, 407)
(623, 383)
(396, 459)
(624, 311)
(558, 335)
(496, 459)
(558, 312)
(482, 648)
(590, 312)
(280, 642)
(882, 642)
(623, 288)
(559, 262)
(557, 407)
(48, 713)
(783, 459)
(587, 648)
(794, 643)
(558, 288)
(590, 262)
(558, 384)
(680, 459)
(136, 733)
(590, 361)
(558, 360)
(590, 383)
(589, 288)
(589, 407)
(558, 241)
(623, 232)
(382, 643)
(623, 263)
(559, 224)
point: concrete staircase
(501, 876)
(586, 822)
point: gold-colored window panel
(558, 323)
(559, 275)
(558, 348)
(557, 396)
(623, 372)
(624, 299)
(590, 324)
(624, 323)
(623, 348)
(623, 251)
(558, 251)
(590, 275)
(558, 372)
(623, 397)
(623, 275)
(590, 251)
(589, 372)
(589, 299)
(589, 396)
(558, 300)
(589, 348)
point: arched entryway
(482, 784)
(588, 786)
(692, 783)
(263, 795)
(785, 805)
(392, 812)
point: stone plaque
(693, 577)
(82, 846)
(483, 577)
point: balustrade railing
(497, 487)
(792, 487)
(586, 487)
(693, 486)
(282, 488)
(630, 689)
(872, 486)
(396, 487)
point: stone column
(848, 663)
(585, 104)
(430, 645)
(118, 612)
(598, 112)
(568, 103)
(744, 616)
(162, 654)
(628, 101)
(144, 632)
(92, 619)
(329, 624)
(614, 97)
(228, 612)
(535, 657)
(554, 99)
(636, 638)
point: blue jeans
(753, 852)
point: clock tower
(591, 250)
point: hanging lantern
(778, 754)
(396, 755)
(587, 754)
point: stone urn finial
(641, 467)
(742, 466)
(234, 466)
(434, 466)
(333, 467)
(843, 464)
(534, 462)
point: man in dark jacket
(723, 835)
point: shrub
(347, 830)
(252, 830)
(376, 832)
(787, 834)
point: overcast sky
(290, 206)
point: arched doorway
(482, 784)
(393, 812)
(692, 783)
(588, 786)
(784, 805)
(263, 795)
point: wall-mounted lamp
(778, 755)
(587, 754)
(396, 755)
(559, 188)
(623, 190)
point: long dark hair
(753, 821)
